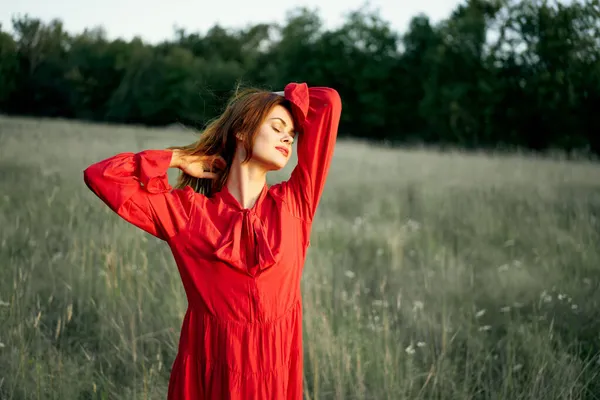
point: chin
(276, 166)
(271, 165)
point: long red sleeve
(136, 187)
(318, 110)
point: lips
(283, 150)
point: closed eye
(278, 130)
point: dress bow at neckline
(245, 245)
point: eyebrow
(284, 123)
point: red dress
(241, 337)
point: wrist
(175, 159)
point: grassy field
(430, 275)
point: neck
(245, 181)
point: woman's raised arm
(318, 111)
(136, 187)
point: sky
(155, 20)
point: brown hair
(244, 113)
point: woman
(239, 245)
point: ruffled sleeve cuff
(298, 95)
(152, 170)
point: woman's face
(273, 142)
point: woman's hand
(198, 166)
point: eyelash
(293, 135)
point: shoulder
(277, 190)
(281, 193)
(188, 199)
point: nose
(288, 139)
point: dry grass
(430, 276)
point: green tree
(42, 52)
(8, 67)
(495, 73)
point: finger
(209, 175)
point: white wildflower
(412, 225)
(358, 223)
(485, 328)
(517, 367)
(503, 268)
(418, 305)
(546, 298)
(56, 256)
(480, 313)
(349, 274)
(410, 349)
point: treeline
(493, 74)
